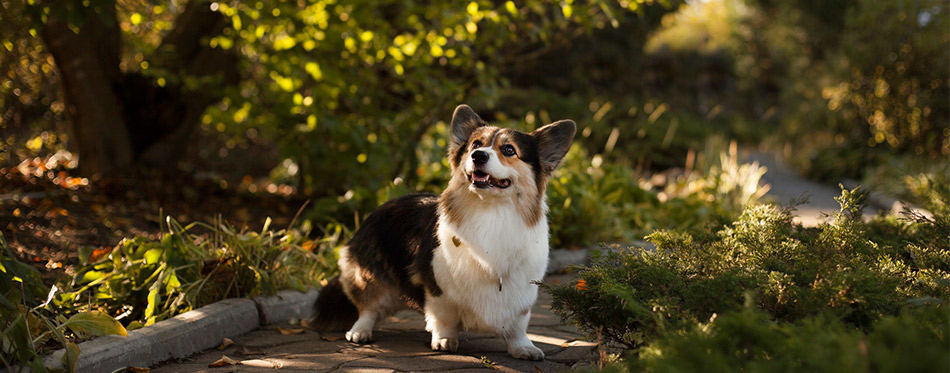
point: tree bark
(121, 119)
(88, 62)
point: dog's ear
(464, 122)
(554, 140)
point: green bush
(747, 340)
(846, 271)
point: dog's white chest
(487, 266)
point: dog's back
(386, 265)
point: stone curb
(188, 333)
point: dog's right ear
(464, 122)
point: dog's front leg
(442, 320)
(362, 330)
(519, 346)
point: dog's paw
(359, 336)
(445, 344)
(529, 352)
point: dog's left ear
(554, 140)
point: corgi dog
(468, 258)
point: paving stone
(363, 370)
(506, 363)
(271, 337)
(576, 351)
(404, 320)
(442, 361)
(552, 333)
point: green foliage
(845, 107)
(594, 201)
(143, 281)
(747, 340)
(772, 281)
(27, 329)
(359, 84)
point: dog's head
(491, 163)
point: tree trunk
(121, 119)
(88, 63)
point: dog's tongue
(480, 177)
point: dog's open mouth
(483, 180)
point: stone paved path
(402, 345)
(786, 185)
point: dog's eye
(476, 144)
(508, 150)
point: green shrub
(747, 340)
(841, 272)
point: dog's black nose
(479, 157)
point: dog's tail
(334, 310)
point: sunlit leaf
(153, 256)
(95, 323)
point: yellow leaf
(135, 19)
(225, 343)
(567, 10)
(314, 70)
(510, 6)
(366, 36)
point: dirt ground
(47, 215)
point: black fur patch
(334, 311)
(395, 244)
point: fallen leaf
(138, 369)
(330, 339)
(223, 362)
(305, 323)
(99, 253)
(225, 343)
(293, 321)
(290, 331)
